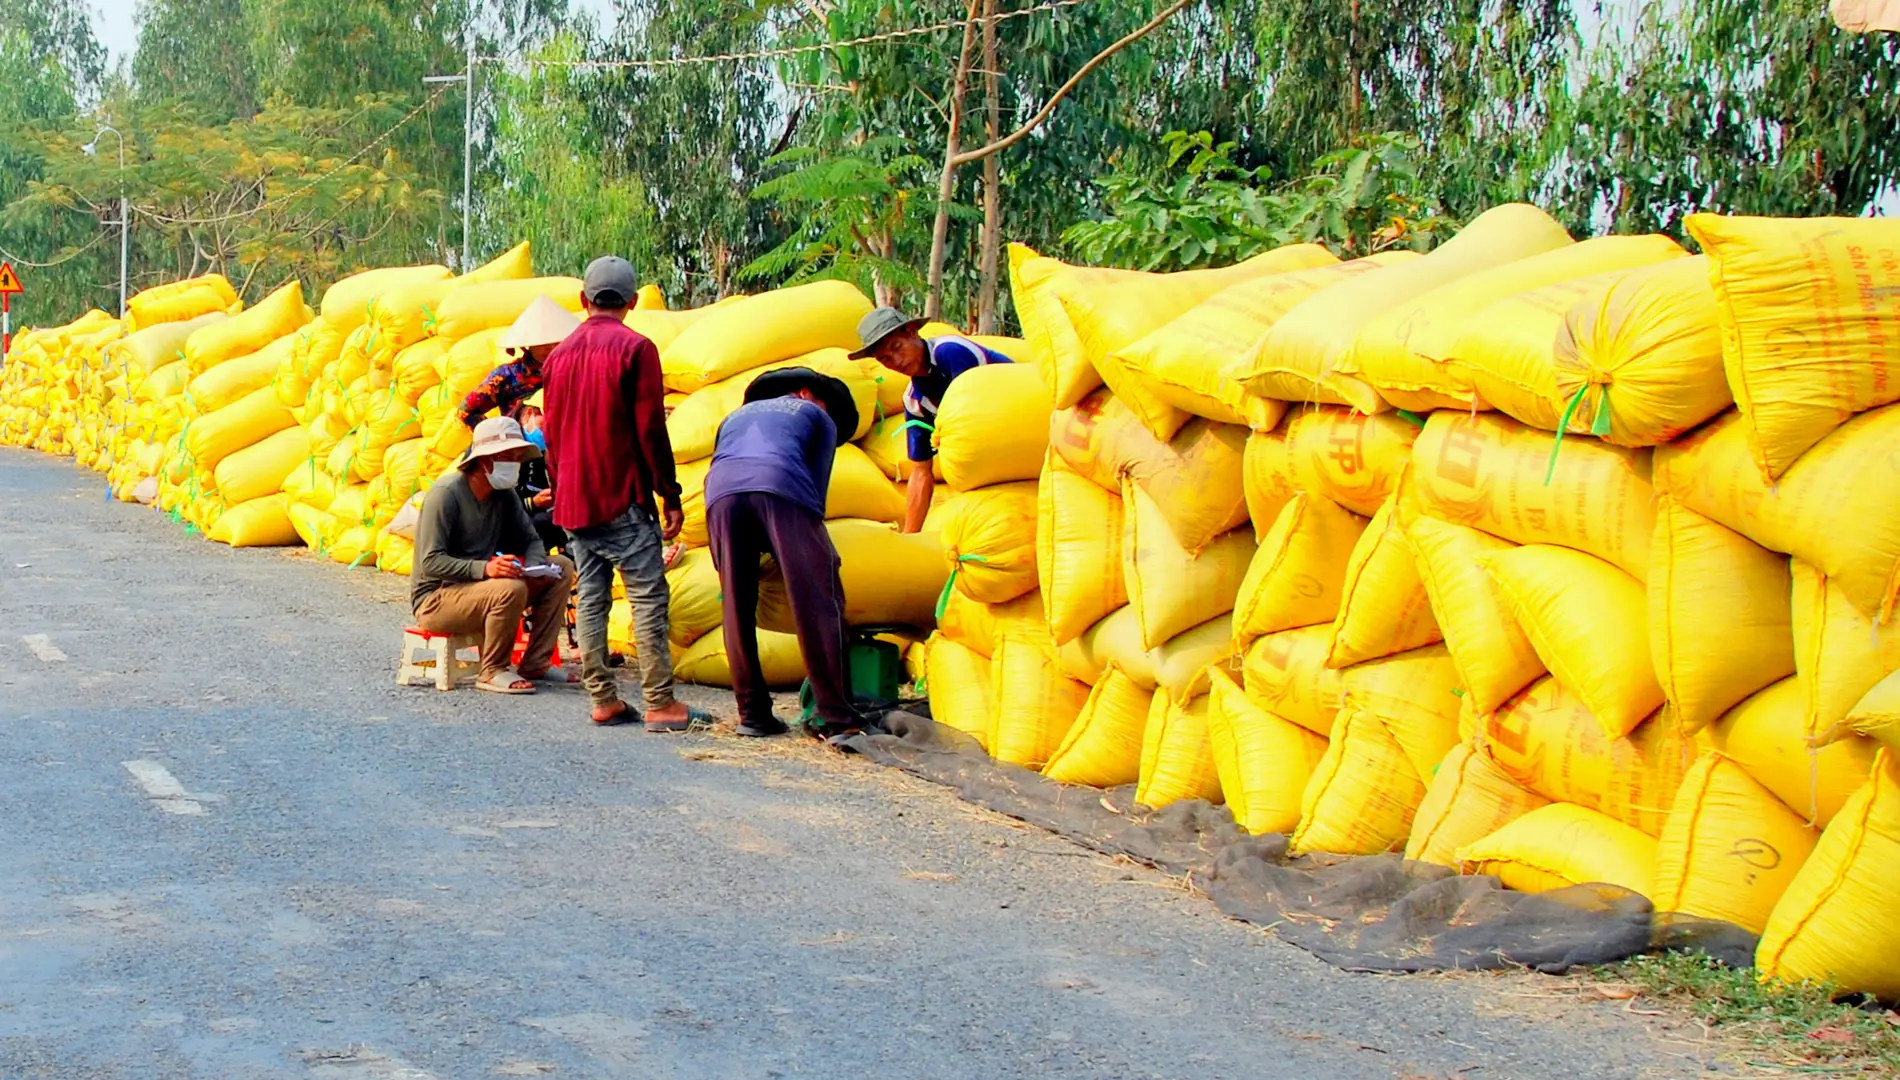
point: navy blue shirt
(782, 446)
(949, 357)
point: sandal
(554, 677)
(626, 714)
(505, 682)
(696, 719)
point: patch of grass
(1797, 1028)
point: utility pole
(467, 79)
(125, 206)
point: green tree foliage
(1209, 211)
(1755, 108)
(178, 61)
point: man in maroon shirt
(615, 492)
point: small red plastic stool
(428, 655)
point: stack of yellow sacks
(1654, 653)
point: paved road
(231, 848)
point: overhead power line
(63, 259)
(793, 50)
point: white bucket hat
(544, 323)
(496, 435)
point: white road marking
(362, 1063)
(164, 789)
(44, 648)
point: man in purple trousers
(765, 494)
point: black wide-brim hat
(829, 390)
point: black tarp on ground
(1380, 913)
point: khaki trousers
(492, 608)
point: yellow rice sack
(889, 578)
(1180, 662)
(1037, 285)
(242, 423)
(1810, 326)
(260, 522)
(1349, 457)
(992, 427)
(989, 541)
(762, 329)
(179, 301)
(705, 661)
(1171, 588)
(1197, 478)
(1033, 702)
(1467, 799)
(280, 313)
(1115, 315)
(1316, 338)
(414, 369)
(1116, 640)
(152, 348)
(693, 598)
(1401, 350)
(1546, 740)
(1589, 623)
(495, 305)
(395, 554)
(1837, 923)
(1177, 758)
(1494, 656)
(959, 683)
(1720, 626)
(1489, 472)
(1764, 736)
(968, 623)
(1184, 363)
(1560, 845)
(262, 468)
(1730, 847)
(1263, 762)
(1507, 351)
(1414, 695)
(1384, 607)
(1267, 478)
(1103, 747)
(1286, 674)
(1297, 575)
(1642, 358)
(859, 489)
(1877, 714)
(1078, 551)
(346, 304)
(1839, 653)
(318, 344)
(693, 426)
(1833, 508)
(1363, 793)
(235, 378)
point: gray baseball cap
(880, 324)
(610, 282)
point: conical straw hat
(544, 323)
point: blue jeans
(631, 544)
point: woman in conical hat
(528, 342)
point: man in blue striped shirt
(932, 364)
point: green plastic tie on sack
(1600, 426)
(1563, 425)
(908, 424)
(1411, 418)
(943, 601)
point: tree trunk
(947, 179)
(992, 192)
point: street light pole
(125, 208)
(467, 79)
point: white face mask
(504, 474)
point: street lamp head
(90, 148)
